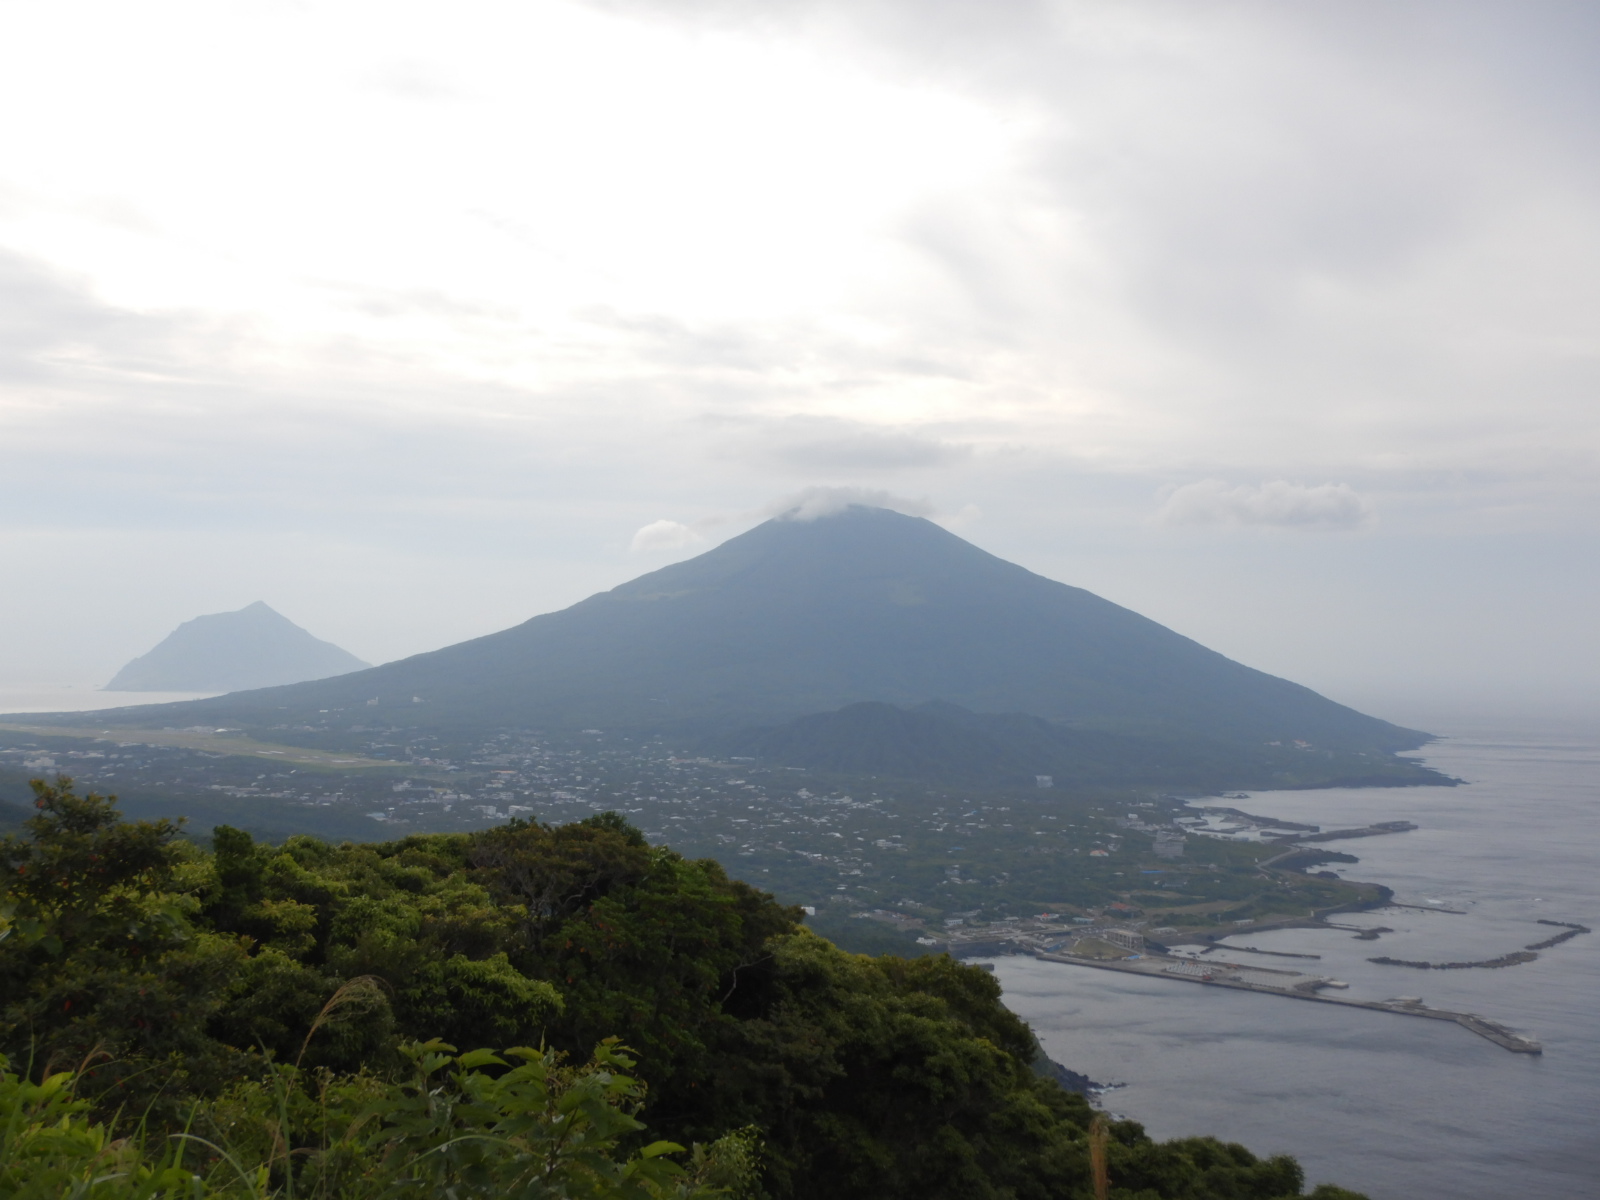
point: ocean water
(1399, 1107)
(23, 698)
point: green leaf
(656, 1149)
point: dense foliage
(176, 985)
(533, 1129)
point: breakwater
(1212, 975)
(1335, 835)
(1256, 950)
(1572, 931)
(1517, 957)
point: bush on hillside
(165, 979)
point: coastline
(1389, 1107)
(1150, 958)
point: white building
(1126, 938)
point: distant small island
(255, 647)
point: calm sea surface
(1399, 1107)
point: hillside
(797, 617)
(255, 647)
(261, 1006)
(950, 744)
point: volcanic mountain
(255, 647)
(799, 616)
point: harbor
(1342, 1088)
(1122, 942)
(1104, 947)
(1240, 978)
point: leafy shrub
(526, 1129)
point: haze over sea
(1401, 1108)
(47, 698)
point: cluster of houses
(1045, 933)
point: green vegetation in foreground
(526, 1126)
(246, 1022)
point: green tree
(101, 964)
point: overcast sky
(1277, 322)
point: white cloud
(813, 502)
(1042, 257)
(1277, 503)
(962, 520)
(831, 445)
(664, 535)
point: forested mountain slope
(249, 996)
(946, 743)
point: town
(880, 866)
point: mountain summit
(801, 616)
(255, 647)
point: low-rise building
(1169, 844)
(1128, 939)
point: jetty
(1336, 835)
(1239, 978)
